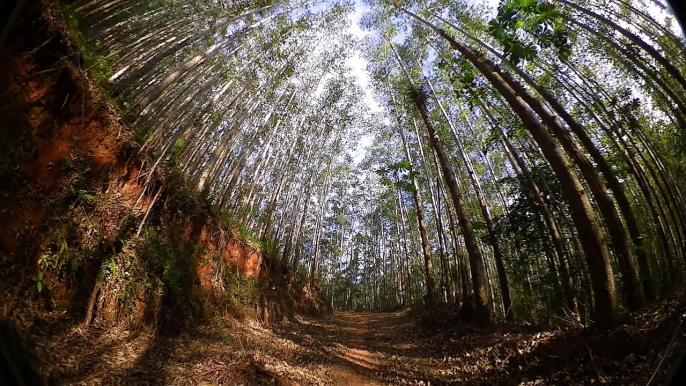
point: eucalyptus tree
(597, 186)
(587, 225)
(483, 206)
(535, 134)
(478, 269)
(413, 186)
(479, 274)
(614, 122)
(251, 128)
(595, 153)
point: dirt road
(345, 348)
(348, 348)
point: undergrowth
(93, 62)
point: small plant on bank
(39, 281)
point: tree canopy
(528, 159)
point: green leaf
(564, 52)
(410, 188)
(527, 4)
(478, 225)
(496, 29)
(35, 278)
(404, 164)
(40, 275)
(39, 285)
(560, 29)
(468, 77)
(528, 53)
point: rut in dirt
(356, 343)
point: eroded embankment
(96, 232)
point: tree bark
(582, 212)
(478, 268)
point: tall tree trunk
(582, 212)
(485, 212)
(421, 222)
(149, 63)
(620, 241)
(436, 205)
(483, 313)
(634, 39)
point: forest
(343, 192)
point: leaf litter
(358, 348)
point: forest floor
(350, 348)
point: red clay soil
(59, 135)
(53, 121)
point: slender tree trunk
(620, 242)
(421, 223)
(485, 212)
(582, 212)
(634, 39)
(437, 214)
(478, 268)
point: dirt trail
(355, 365)
(345, 348)
(348, 348)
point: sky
(357, 62)
(358, 66)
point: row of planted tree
(529, 158)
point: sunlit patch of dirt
(361, 358)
